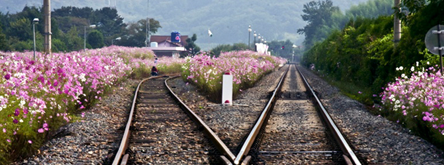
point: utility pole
(396, 24)
(47, 18)
(147, 40)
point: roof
(167, 38)
(168, 49)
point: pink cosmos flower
(7, 76)
(41, 130)
(17, 112)
(29, 141)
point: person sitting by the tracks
(154, 71)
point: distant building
(161, 45)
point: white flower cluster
(82, 77)
(3, 101)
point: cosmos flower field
(417, 100)
(247, 67)
(39, 95)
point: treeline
(363, 55)
(323, 17)
(285, 49)
(216, 51)
(103, 27)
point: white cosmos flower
(22, 103)
(82, 77)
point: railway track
(300, 131)
(295, 133)
(160, 132)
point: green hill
(228, 19)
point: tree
(4, 46)
(220, 48)
(67, 28)
(370, 9)
(95, 39)
(135, 33)
(71, 11)
(319, 18)
(108, 21)
(22, 29)
(191, 46)
(276, 48)
(227, 48)
(58, 45)
(240, 46)
(72, 39)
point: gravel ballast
(379, 140)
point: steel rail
(126, 135)
(255, 131)
(342, 142)
(125, 139)
(213, 136)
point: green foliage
(191, 46)
(275, 47)
(240, 46)
(223, 17)
(3, 42)
(221, 48)
(72, 39)
(370, 9)
(141, 72)
(22, 28)
(58, 45)
(228, 48)
(136, 32)
(95, 39)
(170, 69)
(362, 57)
(67, 25)
(323, 17)
(22, 45)
(319, 17)
(356, 55)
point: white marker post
(227, 89)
